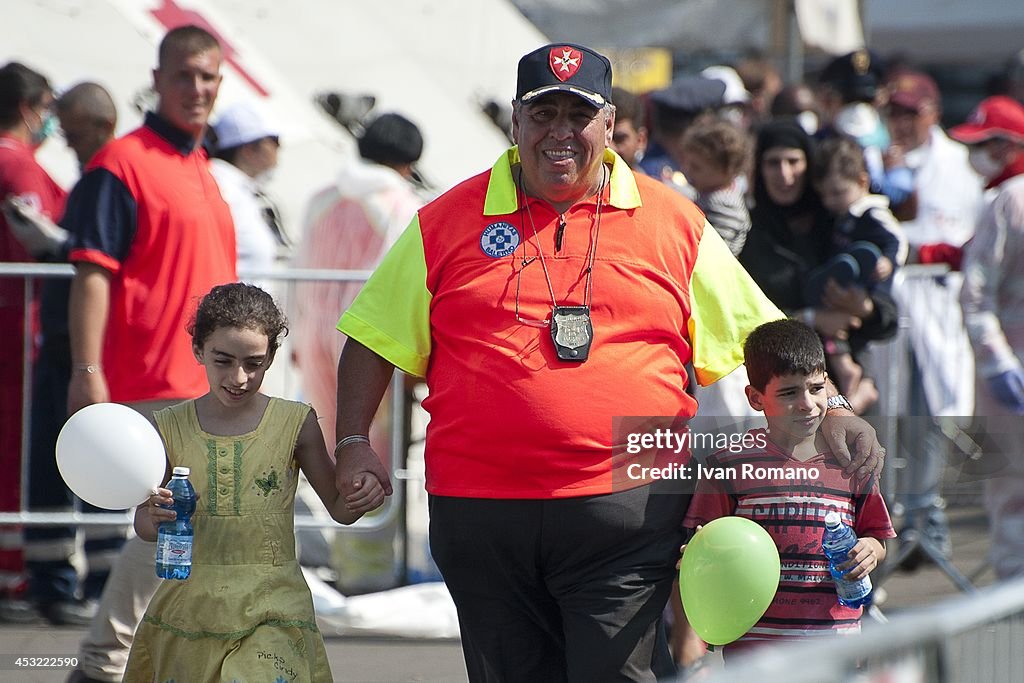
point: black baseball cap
(690, 94)
(856, 75)
(565, 67)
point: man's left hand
(354, 460)
(843, 430)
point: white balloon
(110, 456)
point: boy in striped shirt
(788, 485)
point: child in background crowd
(786, 365)
(714, 155)
(867, 247)
(245, 613)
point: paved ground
(366, 660)
(353, 660)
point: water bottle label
(173, 550)
(852, 591)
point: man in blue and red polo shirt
(150, 235)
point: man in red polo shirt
(543, 301)
(150, 236)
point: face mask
(862, 122)
(808, 120)
(982, 162)
(48, 125)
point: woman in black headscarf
(791, 234)
(790, 229)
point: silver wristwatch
(838, 401)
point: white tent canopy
(433, 62)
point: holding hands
(361, 480)
(367, 495)
(350, 483)
(355, 459)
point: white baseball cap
(735, 92)
(241, 123)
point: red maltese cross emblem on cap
(564, 62)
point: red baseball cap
(995, 117)
(912, 89)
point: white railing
(890, 373)
(967, 639)
(31, 272)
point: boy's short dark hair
(782, 347)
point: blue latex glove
(1008, 388)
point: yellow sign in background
(640, 70)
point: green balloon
(727, 578)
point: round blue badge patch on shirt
(499, 239)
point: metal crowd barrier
(964, 639)
(888, 359)
(31, 272)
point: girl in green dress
(245, 613)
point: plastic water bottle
(836, 543)
(174, 539)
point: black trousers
(560, 590)
(49, 549)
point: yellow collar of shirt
(502, 197)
